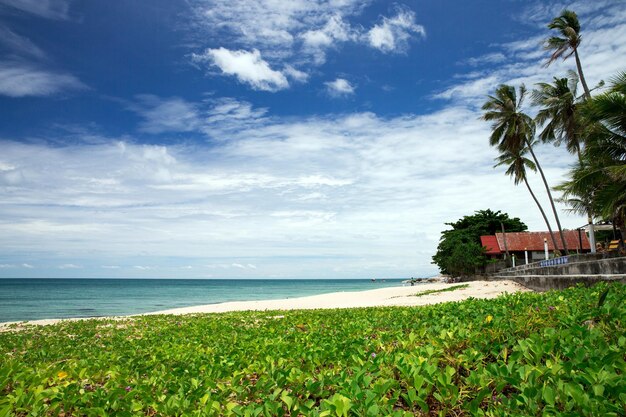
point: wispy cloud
(21, 80)
(166, 115)
(48, 9)
(18, 45)
(492, 58)
(25, 69)
(69, 266)
(213, 117)
(602, 51)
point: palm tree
(512, 130)
(602, 175)
(609, 109)
(567, 45)
(517, 164)
(559, 113)
(562, 123)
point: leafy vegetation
(447, 289)
(520, 354)
(460, 252)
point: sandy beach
(381, 297)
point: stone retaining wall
(587, 269)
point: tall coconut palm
(560, 116)
(512, 130)
(517, 164)
(567, 44)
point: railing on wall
(562, 260)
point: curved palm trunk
(545, 183)
(579, 67)
(592, 232)
(543, 214)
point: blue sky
(301, 139)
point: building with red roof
(491, 244)
(519, 243)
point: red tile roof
(533, 241)
(491, 243)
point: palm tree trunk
(592, 232)
(579, 67)
(545, 183)
(543, 214)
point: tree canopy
(460, 252)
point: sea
(51, 298)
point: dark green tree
(459, 251)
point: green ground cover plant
(557, 353)
(447, 289)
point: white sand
(380, 297)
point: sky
(266, 138)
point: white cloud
(291, 35)
(247, 66)
(20, 80)
(335, 196)
(273, 26)
(339, 87)
(295, 74)
(27, 266)
(393, 34)
(317, 41)
(49, 9)
(213, 117)
(69, 266)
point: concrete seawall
(585, 269)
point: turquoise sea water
(33, 299)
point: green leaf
(548, 395)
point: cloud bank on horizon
(312, 139)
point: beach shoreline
(401, 296)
